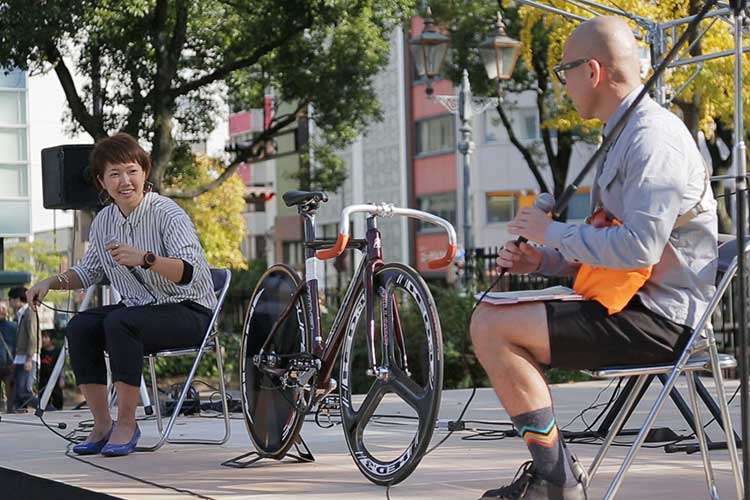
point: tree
(161, 70)
(217, 214)
(470, 23)
(706, 104)
(38, 258)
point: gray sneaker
(528, 486)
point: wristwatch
(149, 259)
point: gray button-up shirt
(652, 174)
(158, 225)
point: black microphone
(111, 240)
(544, 202)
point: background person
(8, 333)
(47, 358)
(147, 247)
(26, 360)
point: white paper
(551, 293)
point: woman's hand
(125, 255)
(521, 259)
(36, 293)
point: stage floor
(459, 469)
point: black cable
(69, 454)
(458, 423)
(594, 405)
(81, 427)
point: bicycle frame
(326, 350)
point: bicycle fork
(389, 319)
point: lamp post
(499, 54)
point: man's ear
(595, 71)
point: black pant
(127, 333)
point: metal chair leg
(155, 392)
(618, 423)
(225, 406)
(647, 424)
(700, 434)
(726, 419)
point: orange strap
(612, 288)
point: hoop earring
(104, 198)
(148, 187)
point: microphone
(111, 240)
(544, 202)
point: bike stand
(303, 455)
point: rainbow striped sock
(539, 430)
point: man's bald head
(610, 41)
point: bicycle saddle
(292, 198)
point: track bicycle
(387, 331)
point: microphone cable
(111, 240)
(71, 442)
(545, 202)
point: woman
(147, 248)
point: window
(525, 124)
(435, 135)
(13, 181)
(501, 207)
(260, 247)
(579, 206)
(12, 108)
(443, 205)
(293, 253)
(14, 168)
(13, 79)
(12, 144)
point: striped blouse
(158, 225)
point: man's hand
(28, 365)
(531, 223)
(521, 259)
(125, 255)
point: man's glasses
(560, 69)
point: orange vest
(612, 288)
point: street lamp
(429, 50)
(499, 53)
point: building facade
(15, 192)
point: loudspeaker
(66, 178)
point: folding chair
(221, 279)
(700, 354)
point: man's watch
(149, 259)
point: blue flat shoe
(120, 450)
(92, 448)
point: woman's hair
(118, 149)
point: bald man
(652, 174)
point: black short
(583, 336)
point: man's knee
(485, 329)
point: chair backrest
(727, 266)
(221, 279)
(728, 255)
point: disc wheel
(411, 372)
(273, 412)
